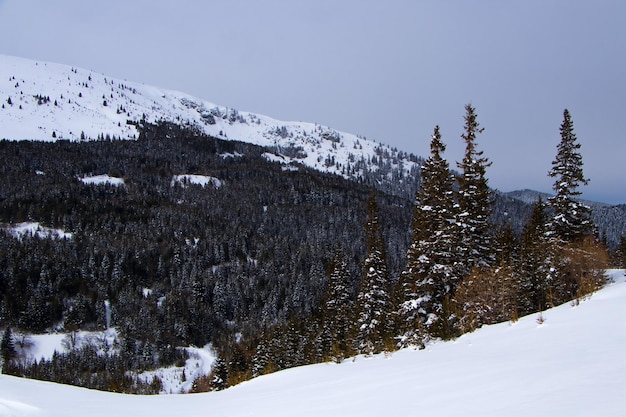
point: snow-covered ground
(102, 179)
(201, 180)
(36, 229)
(179, 380)
(34, 347)
(572, 364)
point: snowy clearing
(36, 229)
(102, 179)
(201, 180)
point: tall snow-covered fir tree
(475, 200)
(572, 219)
(431, 273)
(373, 301)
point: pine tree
(620, 253)
(507, 246)
(373, 301)
(430, 276)
(475, 200)
(572, 219)
(7, 347)
(536, 256)
(338, 312)
(219, 375)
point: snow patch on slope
(201, 180)
(102, 179)
(35, 229)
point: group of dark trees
(459, 272)
(180, 264)
(276, 268)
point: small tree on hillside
(7, 347)
(619, 257)
(338, 311)
(373, 301)
(536, 258)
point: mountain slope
(572, 364)
(610, 220)
(45, 101)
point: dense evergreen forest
(271, 264)
(179, 263)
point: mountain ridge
(48, 101)
(56, 101)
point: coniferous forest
(275, 267)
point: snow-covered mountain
(570, 362)
(46, 101)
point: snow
(199, 363)
(201, 180)
(275, 158)
(102, 179)
(36, 229)
(42, 346)
(572, 364)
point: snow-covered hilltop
(46, 101)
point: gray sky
(388, 70)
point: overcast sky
(388, 70)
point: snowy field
(573, 364)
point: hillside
(46, 101)
(609, 219)
(572, 364)
(188, 240)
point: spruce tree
(430, 276)
(338, 312)
(7, 348)
(620, 253)
(571, 220)
(373, 301)
(536, 255)
(219, 375)
(475, 200)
